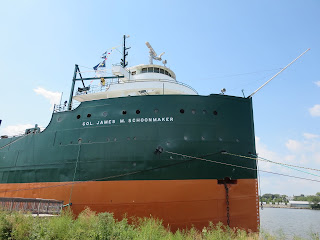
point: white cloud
(310, 136)
(315, 110)
(15, 129)
(53, 97)
(302, 152)
(294, 146)
(317, 83)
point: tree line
(270, 198)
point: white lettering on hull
(129, 120)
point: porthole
(193, 111)
(202, 138)
(156, 111)
(108, 139)
(78, 117)
(215, 113)
(138, 111)
(79, 140)
(128, 138)
(115, 139)
(88, 115)
(134, 138)
(124, 112)
(104, 114)
(181, 110)
(71, 142)
(59, 119)
(204, 111)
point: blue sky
(210, 45)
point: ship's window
(166, 72)
(169, 74)
(144, 70)
(156, 70)
(150, 69)
(204, 111)
(124, 112)
(78, 116)
(202, 138)
(193, 111)
(181, 110)
(89, 115)
(215, 112)
(133, 73)
(80, 140)
(161, 70)
(156, 110)
(138, 111)
(71, 142)
(104, 114)
(115, 139)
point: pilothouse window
(155, 70)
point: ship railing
(101, 88)
(32, 205)
(64, 107)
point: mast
(125, 53)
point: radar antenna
(153, 54)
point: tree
(314, 201)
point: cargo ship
(141, 144)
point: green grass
(90, 225)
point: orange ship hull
(179, 203)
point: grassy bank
(90, 225)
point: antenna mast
(125, 53)
(278, 73)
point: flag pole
(278, 73)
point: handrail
(33, 205)
(96, 89)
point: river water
(290, 222)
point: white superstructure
(144, 79)
(138, 80)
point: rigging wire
(192, 158)
(233, 165)
(267, 160)
(240, 74)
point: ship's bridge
(144, 79)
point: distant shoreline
(282, 206)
